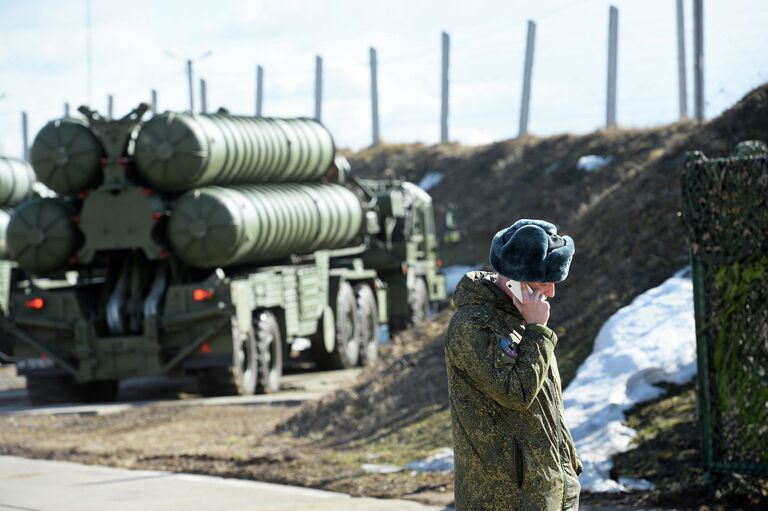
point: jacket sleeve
(474, 351)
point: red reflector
(157, 216)
(43, 356)
(205, 348)
(35, 303)
(202, 294)
(147, 191)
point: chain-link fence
(725, 210)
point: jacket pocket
(519, 459)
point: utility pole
(259, 89)
(318, 87)
(682, 86)
(527, 73)
(153, 101)
(190, 82)
(613, 41)
(203, 97)
(446, 43)
(24, 136)
(191, 88)
(110, 106)
(374, 98)
(698, 57)
(89, 50)
(66, 109)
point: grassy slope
(624, 217)
(629, 238)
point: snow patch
(440, 460)
(430, 179)
(592, 162)
(453, 274)
(651, 340)
(381, 468)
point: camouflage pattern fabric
(513, 449)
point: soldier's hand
(534, 308)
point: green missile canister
(178, 152)
(41, 235)
(5, 217)
(66, 156)
(216, 226)
(16, 179)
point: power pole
(203, 97)
(374, 98)
(66, 109)
(153, 101)
(89, 50)
(259, 89)
(318, 87)
(24, 136)
(446, 40)
(110, 106)
(191, 88)
(613, 42)
(527, 73)
(682, 86)
(698, 57)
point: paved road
(38, 485)
(295, 387)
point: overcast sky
(43, 61)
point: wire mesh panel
(725, 211)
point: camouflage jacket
(512, 446)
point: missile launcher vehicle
(16, 180)
(207, 246)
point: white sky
(43, 61)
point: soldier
(513, 449)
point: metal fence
(725, 210)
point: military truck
(16, 180)
(207, 245)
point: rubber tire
(238, 379)
(418, 302)
(368, 317)
(269, 352)
(346, 349)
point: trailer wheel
(369, 324)
(418, 302)
(244, 360)
(346, 348)
(269, 352)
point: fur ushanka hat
(531, 251)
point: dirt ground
(254, 442)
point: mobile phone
(517, 289)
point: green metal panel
(218, 226)
(16, 178)
(41, 235)
(66, 156)
(179, 151)
(121, 219)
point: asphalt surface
(295, 388)
(39, 485)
